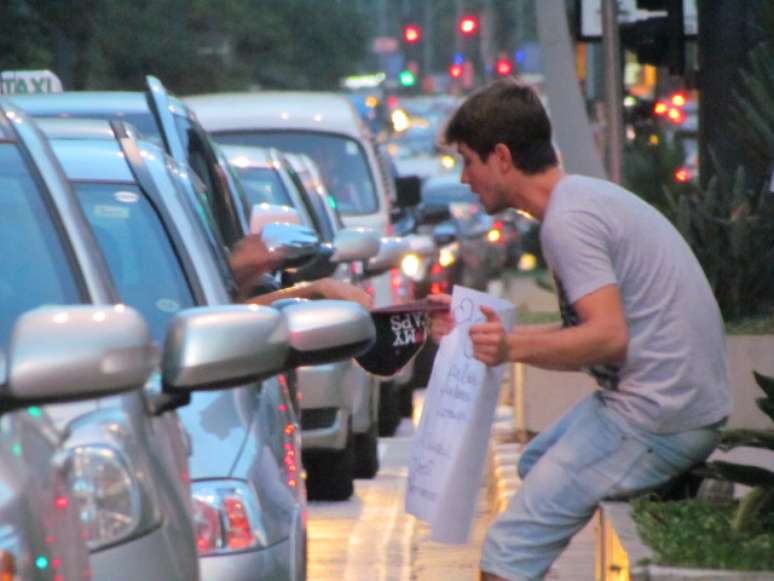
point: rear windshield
(342, 162)
(138, 250)
(34, 270)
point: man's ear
(503, 156)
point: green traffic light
(407, 78)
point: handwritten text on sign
(450, 445)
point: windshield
(35, 269)
(138, 251)
(341, 160)
(263, 185)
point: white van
(325, 127)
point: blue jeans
(589, 454)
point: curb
(504, 454)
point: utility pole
(611, 48)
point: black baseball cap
(401, 331)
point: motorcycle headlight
(107, 496)
(227, 517)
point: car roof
(81, 102)
(299, 111)
(59, 128)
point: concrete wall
(546, 395)
(748, 353)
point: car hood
(218, 423)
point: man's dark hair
(505, 111)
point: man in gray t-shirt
(638, 314)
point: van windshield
(342, 162)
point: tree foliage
(192, 45)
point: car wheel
(367, 453)
(329, 474)
(389, 415)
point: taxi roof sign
(29, 82)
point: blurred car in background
(482, 252)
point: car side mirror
(408, 190)
(67, 353)
(297, 245)
(391, 251)
(355, 244)
(324, 331)
(219, 347)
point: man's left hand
(490, 340)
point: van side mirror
(408, 190)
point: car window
(203, 162)
(322, 224)
(263, 185)
(138, 250)
(341, 160)
(195, 200)
(35, 269)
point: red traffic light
(504, 67)
(412, 33)
(455, 71)
(468, 25)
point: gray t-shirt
(674, 378)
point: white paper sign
(450, 446)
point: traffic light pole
(611, 48)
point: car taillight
(7, 566)
(238, 533)
(401, 287)
(207, 527)
(226, 517)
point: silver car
(48, 355)
(170, 123)
(339, 397)
(150, 222)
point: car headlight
(447, 255)
(227, 517)
(107, 496)
(411, 265)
